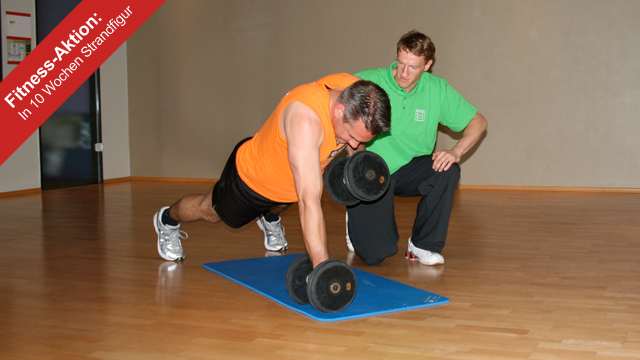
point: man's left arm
(442, 160)
(303, 131)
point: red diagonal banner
(66, 58)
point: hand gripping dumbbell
(329, 287)
(363, 176)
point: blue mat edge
(348, 317)
(278, 301)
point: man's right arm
(442, 160)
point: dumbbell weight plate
(366, 175)
(296, 279)
(332, 286)
(334, 183)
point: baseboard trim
(550, 189)
(20, 192)
(162, 179)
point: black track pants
(372, 225)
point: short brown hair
(418, 44)
(367, 101)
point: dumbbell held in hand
(329, 287)
(363, 176)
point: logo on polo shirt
(420, 114)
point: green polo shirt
(415, 116)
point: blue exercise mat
(376, 295)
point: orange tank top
(263, 161)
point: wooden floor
(530, 275)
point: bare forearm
(471, 135)
(442, 160)
(313, 230)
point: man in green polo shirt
(419, 102)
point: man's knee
(371, 261)
(205, 207)
(453, 173)
(374, 256)
(442, 180)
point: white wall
(115, 115)
(22, 170)
(558, 80)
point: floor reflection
(274, 253)
(169, 282)
(424, 273)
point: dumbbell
(363, 176)
(329, 288)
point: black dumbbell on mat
(329, 288)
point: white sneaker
(346, 221)
(274, 239)
(425, 257)
(169, 245)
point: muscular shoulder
(297, 109)
(300, 120)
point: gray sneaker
(169, 245)
(273, 234)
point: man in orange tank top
(283, 163)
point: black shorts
(234, 202)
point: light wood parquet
(530, 275)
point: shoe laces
(275, 232)
(172, 237)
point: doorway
(70, 139)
